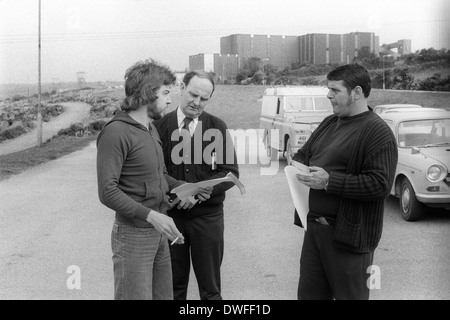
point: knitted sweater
(365, 185)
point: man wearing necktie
(202, 223)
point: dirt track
(73, 112)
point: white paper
(299, 193)
(304, 170)
(190, 189)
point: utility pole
(39, 115)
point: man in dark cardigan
(197, 147)
(352, 156)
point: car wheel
(288, 152)
(410, 208)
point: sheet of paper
(299, 193)
(305, 169)
(190, 189)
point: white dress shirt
(181, 116)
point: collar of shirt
(181, 116)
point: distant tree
(251, 66)
(258, 77)
(426, 56)
(310, 81)
(403, 79)
(365, 53)
(435, 83)
(18, 97)
(367, 58)
(378, 78)
(242, 75)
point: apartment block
(280, 51)
(335, 48)
(225, 66)
(286, 51)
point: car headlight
(436, 173)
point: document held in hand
(190, 189)
(299, 192)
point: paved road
(51, 219)
(73, 112)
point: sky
(104, 37)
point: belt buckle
(323, 221)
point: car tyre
(410, 208)
(288, 152)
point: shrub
(80, 129)
(97, 125)
(310, 81)
(74, 130)
(13, 132)
(435, 83)
(18, 97)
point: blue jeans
(141, 264)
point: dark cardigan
(199, 170)
(364, 187)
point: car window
(322, 104)
(307, 103)
(423, 132)
(298, 103)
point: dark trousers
(204, 244)
(327, 272)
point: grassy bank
(14, 163)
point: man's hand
(204, 193)
(187, 204)
(165, 225)
(318, 179)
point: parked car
(385, 107)
(289, 115)
(422, 177)
(423, 110)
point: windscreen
(419, 133)
(298, 103)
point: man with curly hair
(133, 181)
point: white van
(289, 115)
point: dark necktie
(187, 121)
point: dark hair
(352, 75)
(142, 81)
(201, 74)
